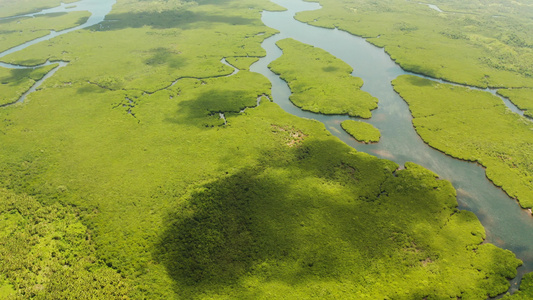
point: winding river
(98, 9)
(507, 225)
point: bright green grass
(170, 203)
(15, 82)
(14, 32)
(469, 46)
(476, 126)
(320, 82)
(361, 131)
(522, 98)
(19, 7)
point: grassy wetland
(361, 131)
(522, 98)
(320, 82)
(16, 31)
(475, 126)
(14, 82)
(494, 41)
(119, 179)
(15, 8)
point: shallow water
(507, 225)
(98, 9)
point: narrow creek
(98, 9)
(507, 225)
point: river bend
(507, 225)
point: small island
(363, 132)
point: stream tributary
(507, 225)
(98, 9)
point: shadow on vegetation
(184, 19)
(258, 221)
(236, 225)
(16, 75)
(162, 56)
(330, 69)
(203, 110)
(298, 220)
(91, 89)
(419, 81)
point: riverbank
(178, 203)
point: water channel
(98, 9)
(507, 225)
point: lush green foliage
(522, 98)
(361, 131)
(19, 30)
(320, 82)
(476, 126)
(526, 289)
(176, 43)
(472, 42)
(326, 222)
(46, 251)
(14, 82)
(130, 170)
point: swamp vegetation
(14, 82)
(492, 40)
(119, 179)
(362, 132)
(475, 126)
(320, 82)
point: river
(98, 9)
(507, 225)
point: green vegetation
(327, 222)
(526, 289)
(475, 126)
(472, 42)
(242, 63)
(522, 98)
(320, 82)
(361, 131)
(16, 31)
(15, 82)
(13, 8)
(177, 43)
(47, 250)
(118, 179)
